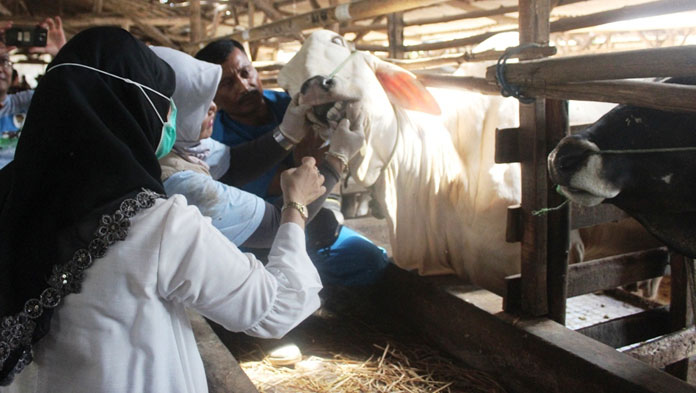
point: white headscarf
(196, 84)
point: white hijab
(196, 84)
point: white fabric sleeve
(236, 213)
(17, 103)
(201, 269)
(218, 158)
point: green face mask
(168, 128)
(168, 133)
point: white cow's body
(444, 198)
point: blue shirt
(233, 133)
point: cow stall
(528, 345)
(524, 339)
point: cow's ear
(404, 90)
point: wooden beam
(395, 34)
(195, 15)
(222, 370)
(467, 15)
(583, 216)
(525, 355)
(598, 274)
(360, 9)
(630, 329)
(614, 271)
(5, 11)
(98, 6)
(668, 349)
(268, 9)
(558, 221)
(499, 19)
(680, 306)
(480, 85)
(154, 33)
(87, 20)
(459, 42)
(663, 96)
(534, 28)
(645, 63)
(625, 13)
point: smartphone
(26, 36)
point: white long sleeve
(127, 330)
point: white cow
(444, 197)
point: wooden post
(250, 13)
(98, 6)
(196, 28)
(558, 221)
(534, 27)
(334, 26)
(680, 307)
(395, 30)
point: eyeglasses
(5, 63)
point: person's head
(5, 72)
(196, 84)
(87, 147)
(240, 92)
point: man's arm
(252, 159)
(17, 103)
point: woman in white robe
(98, 267)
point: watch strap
(296, 205)
(282, 140)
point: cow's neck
(432, 206)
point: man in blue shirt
(249, 119)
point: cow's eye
(338, 40)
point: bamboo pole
(196, 25)
(663, 96)
(625, 13)
(466, 41)
(480, 85)
(325, 16)
(468, 57)
(645, 63)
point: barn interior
(558, 327)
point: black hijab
(88, 145)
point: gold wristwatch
(296, 205)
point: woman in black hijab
(98, 313)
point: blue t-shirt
(233, 133)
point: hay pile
(422, 371)
(352, 346)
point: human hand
(55, 38)
(303, 184)
(4, 26)
(294, 125)
(347, 135)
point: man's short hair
(217, 51)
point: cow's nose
(568, 158)
(318, 81)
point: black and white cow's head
(657, 188)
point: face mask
(168, 133)
(168, 128)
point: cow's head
(326, 70)
(615, 161)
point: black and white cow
(637, 159)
